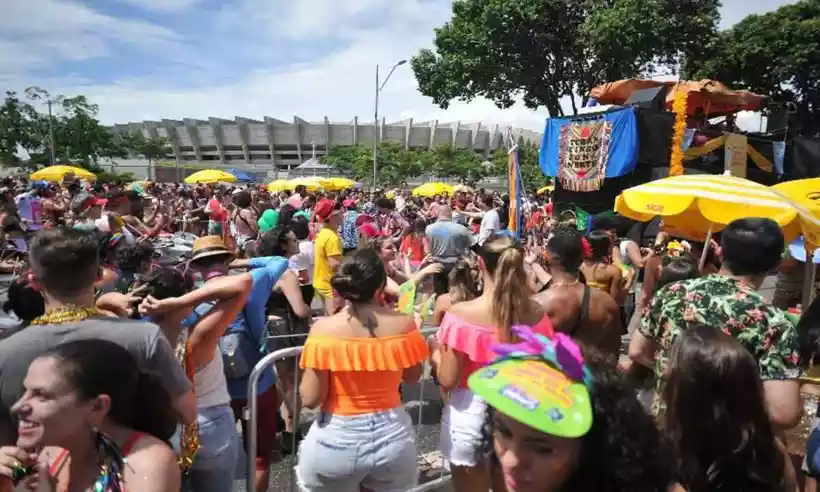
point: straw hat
(209, 246)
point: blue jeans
(374, 450)
(215, 464)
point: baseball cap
(540, 382)
(268, 221)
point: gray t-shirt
(143, 340)
(448, 240)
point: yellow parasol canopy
(693, 206)
(58, 173)
(210, 176)
(311, 184)
(341, 184)
(279, 185)
(545, 189)
(806, 194)
(433, 189)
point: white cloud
(338, 84)
(164, 6)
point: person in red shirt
(414, 245)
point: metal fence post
(252, 410)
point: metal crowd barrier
(251, 412)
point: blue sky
(154, 59)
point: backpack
(240, 350)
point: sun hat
(268, 221)
(540, 382)
(206, 246)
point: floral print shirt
(721, 302)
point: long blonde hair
(465, 279)
(504, 260)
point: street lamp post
(51, 133)
(376, 127)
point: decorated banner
(583, 151)
(514, 180)
(736, 148)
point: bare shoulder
(326, 325)
(677, 488)
(152, 458)
(466, 309)
(394, 323)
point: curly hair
(624, 451)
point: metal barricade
(251, 412)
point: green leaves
(397, 165)
(776, 54)
(546, 50)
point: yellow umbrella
(210, 176)
(279, 185)
(806, 194)
(432, 189)
(545, 189)
(311, 184)
(58, 173)
(695, 206)
(342, 183)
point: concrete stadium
(275, 148)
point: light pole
(51, 132)
(376, 128)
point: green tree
(79, 138)
(18, 121)
(395, 164)
(546, 50)
(149, 148)
(532, 178)
(776, 54)
(446, 161)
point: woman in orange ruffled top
(353, 364)
(467, 333)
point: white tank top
(210, 385)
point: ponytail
(504, 260)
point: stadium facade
(274, 148)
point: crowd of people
(129, 367)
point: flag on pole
(514, 179)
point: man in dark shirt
(65, 264)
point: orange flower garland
(679, 108)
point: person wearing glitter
(86, 423)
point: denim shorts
(462, 424)
(343, 453)
(214, 466)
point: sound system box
(652, 98)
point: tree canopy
(544, 50)
(776, 54)
(79, 138)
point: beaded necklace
(67, 314)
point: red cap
(323, 209)
(369, 230)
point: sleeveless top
(210, 385)
(476, 341)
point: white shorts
(461, 428)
